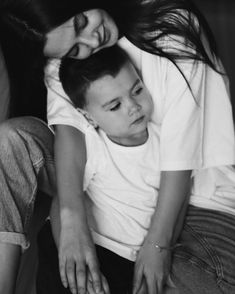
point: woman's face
(82, 35)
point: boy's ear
(90, 118)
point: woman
(147, 25)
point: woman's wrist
(166, 248)
(70, 218)
(163, 238)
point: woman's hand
(78, 263)
(152, 268)
(77, 255)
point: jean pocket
(198, 251)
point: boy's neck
(132, 141)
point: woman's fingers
(137, 280)
(73, 275)
(70, 275)
(146, 282)
(105, 285)
(95, 277)
(78, 271)
(63, 275)
(90, 289)
(81, 278)
(143, 287)
(152, 284)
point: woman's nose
(89, 39)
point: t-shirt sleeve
(60, 109)
(182, 122)
(196, 125)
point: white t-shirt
(122, 184)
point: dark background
(221, 16)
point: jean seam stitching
(212, 252)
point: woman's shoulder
(140, 58)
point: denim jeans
(204, 264)
(206, 261)
(26, 166)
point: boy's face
(121, 106)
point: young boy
(122, 173)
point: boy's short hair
(76, 75)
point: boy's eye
(115, 107)
(138, 90)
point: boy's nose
(133, 108)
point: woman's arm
(77, 256)
(153, 263)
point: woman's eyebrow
(76, 25)
(79, 23)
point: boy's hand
(78, 263)
(152, 268)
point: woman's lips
(105, 36)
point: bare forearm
(70, 158)
(168, 218)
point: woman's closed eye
(73, 52)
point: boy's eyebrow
(116, 98)
(135, 83)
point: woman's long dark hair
(147, 23)
(24, 23)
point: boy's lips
(138, 120)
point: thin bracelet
(168, 248)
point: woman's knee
(8, 133)
(26, 124)
(25, 133)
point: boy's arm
(77, 256)
(153, 264)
